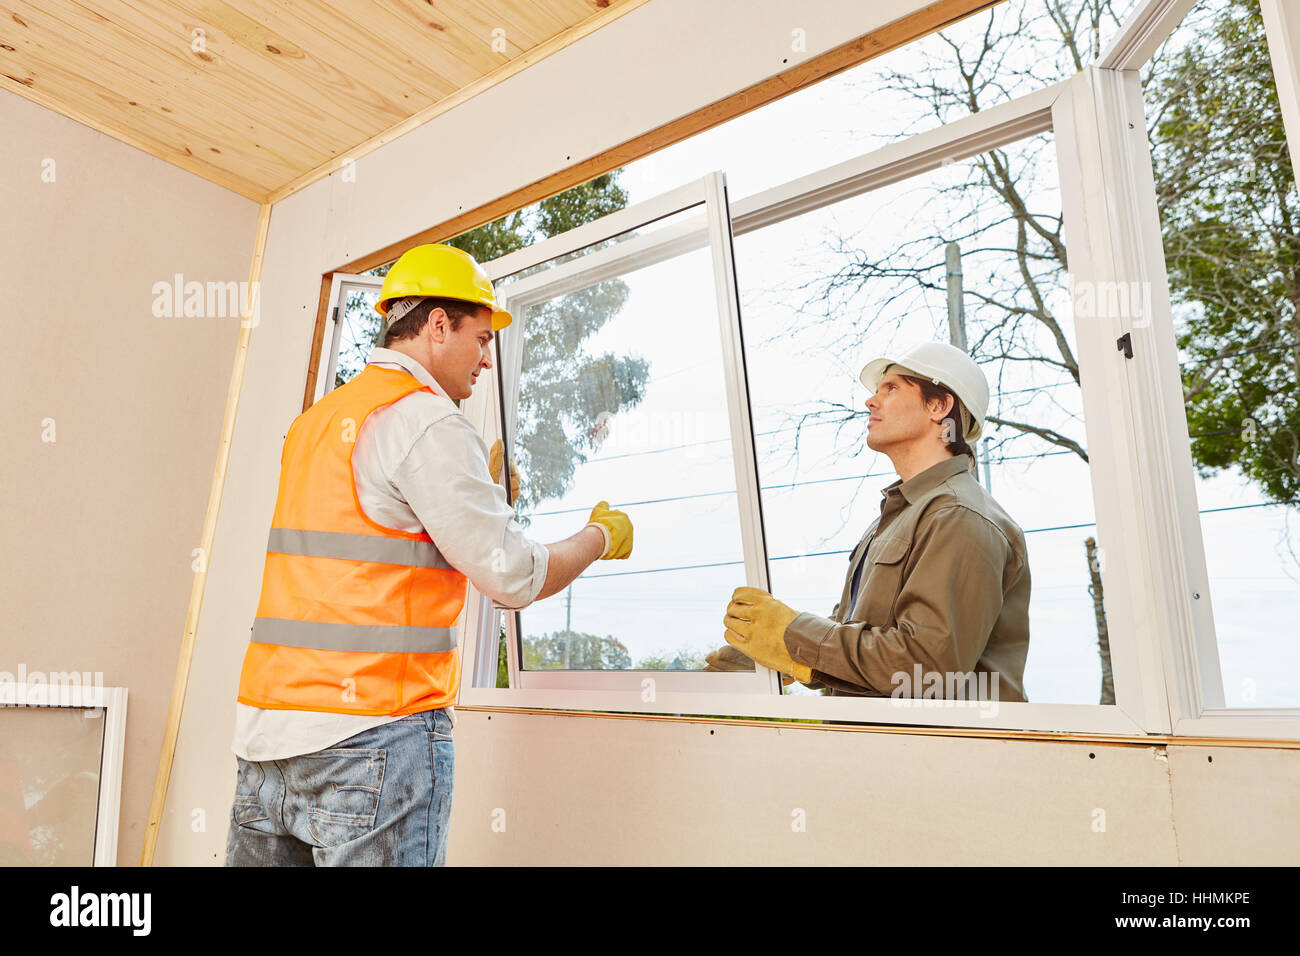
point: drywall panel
(1236, 807)
(113, 402)
(655, 64)
(535, 790)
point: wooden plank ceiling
(264, 96)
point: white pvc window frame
(112, 702)
(1184, 649)
(1140, 704)
(702, 219)
(327, 361)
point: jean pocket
(442, 726)
(247, 808)
(342, 787)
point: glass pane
(829, 290)
(49, 785)
(622, 398)
(1230, 215)
(689, 220)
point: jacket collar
(920, 484)
(383, 356)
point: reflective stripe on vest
(383, 639)
(354, 617)
(356, 547)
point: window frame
(1139, 703)
(1164, 653)
(112, 700)
(335, 316)
(708, 227)
(1186, 648)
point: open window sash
(691, 218)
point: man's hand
(755, 625)
(727, 658)
(617, 529)
(496, 457)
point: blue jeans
(380, 798)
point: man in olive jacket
(936, 601)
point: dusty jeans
(379, 798)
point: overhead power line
(825, 554)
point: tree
(574, 651)
(683, 659)
(1230, 218)
(566, 391)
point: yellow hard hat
(442, 271)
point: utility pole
(568, 623)
(957, 335)
(1099, 611)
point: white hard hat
(942, 364)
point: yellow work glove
(755, 625)
(727, 658)
(496, 457)
(616, 527)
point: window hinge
(1125, 344)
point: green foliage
(503, 663)
(1231, 221)
(565, 391)
(590, 652)
(684, 659)
(573, 651)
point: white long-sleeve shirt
(419, 465)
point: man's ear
(945, 407)
(439, 325)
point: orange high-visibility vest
(354, 617)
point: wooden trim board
(1148, 740)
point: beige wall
(99, 524)
(577, 790)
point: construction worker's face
(466, 352)
(898, 414)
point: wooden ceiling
(265, 96)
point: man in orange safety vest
(386, 509)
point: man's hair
(931, 392)
(410, 325)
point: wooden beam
(317, 338)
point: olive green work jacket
(944, 584)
